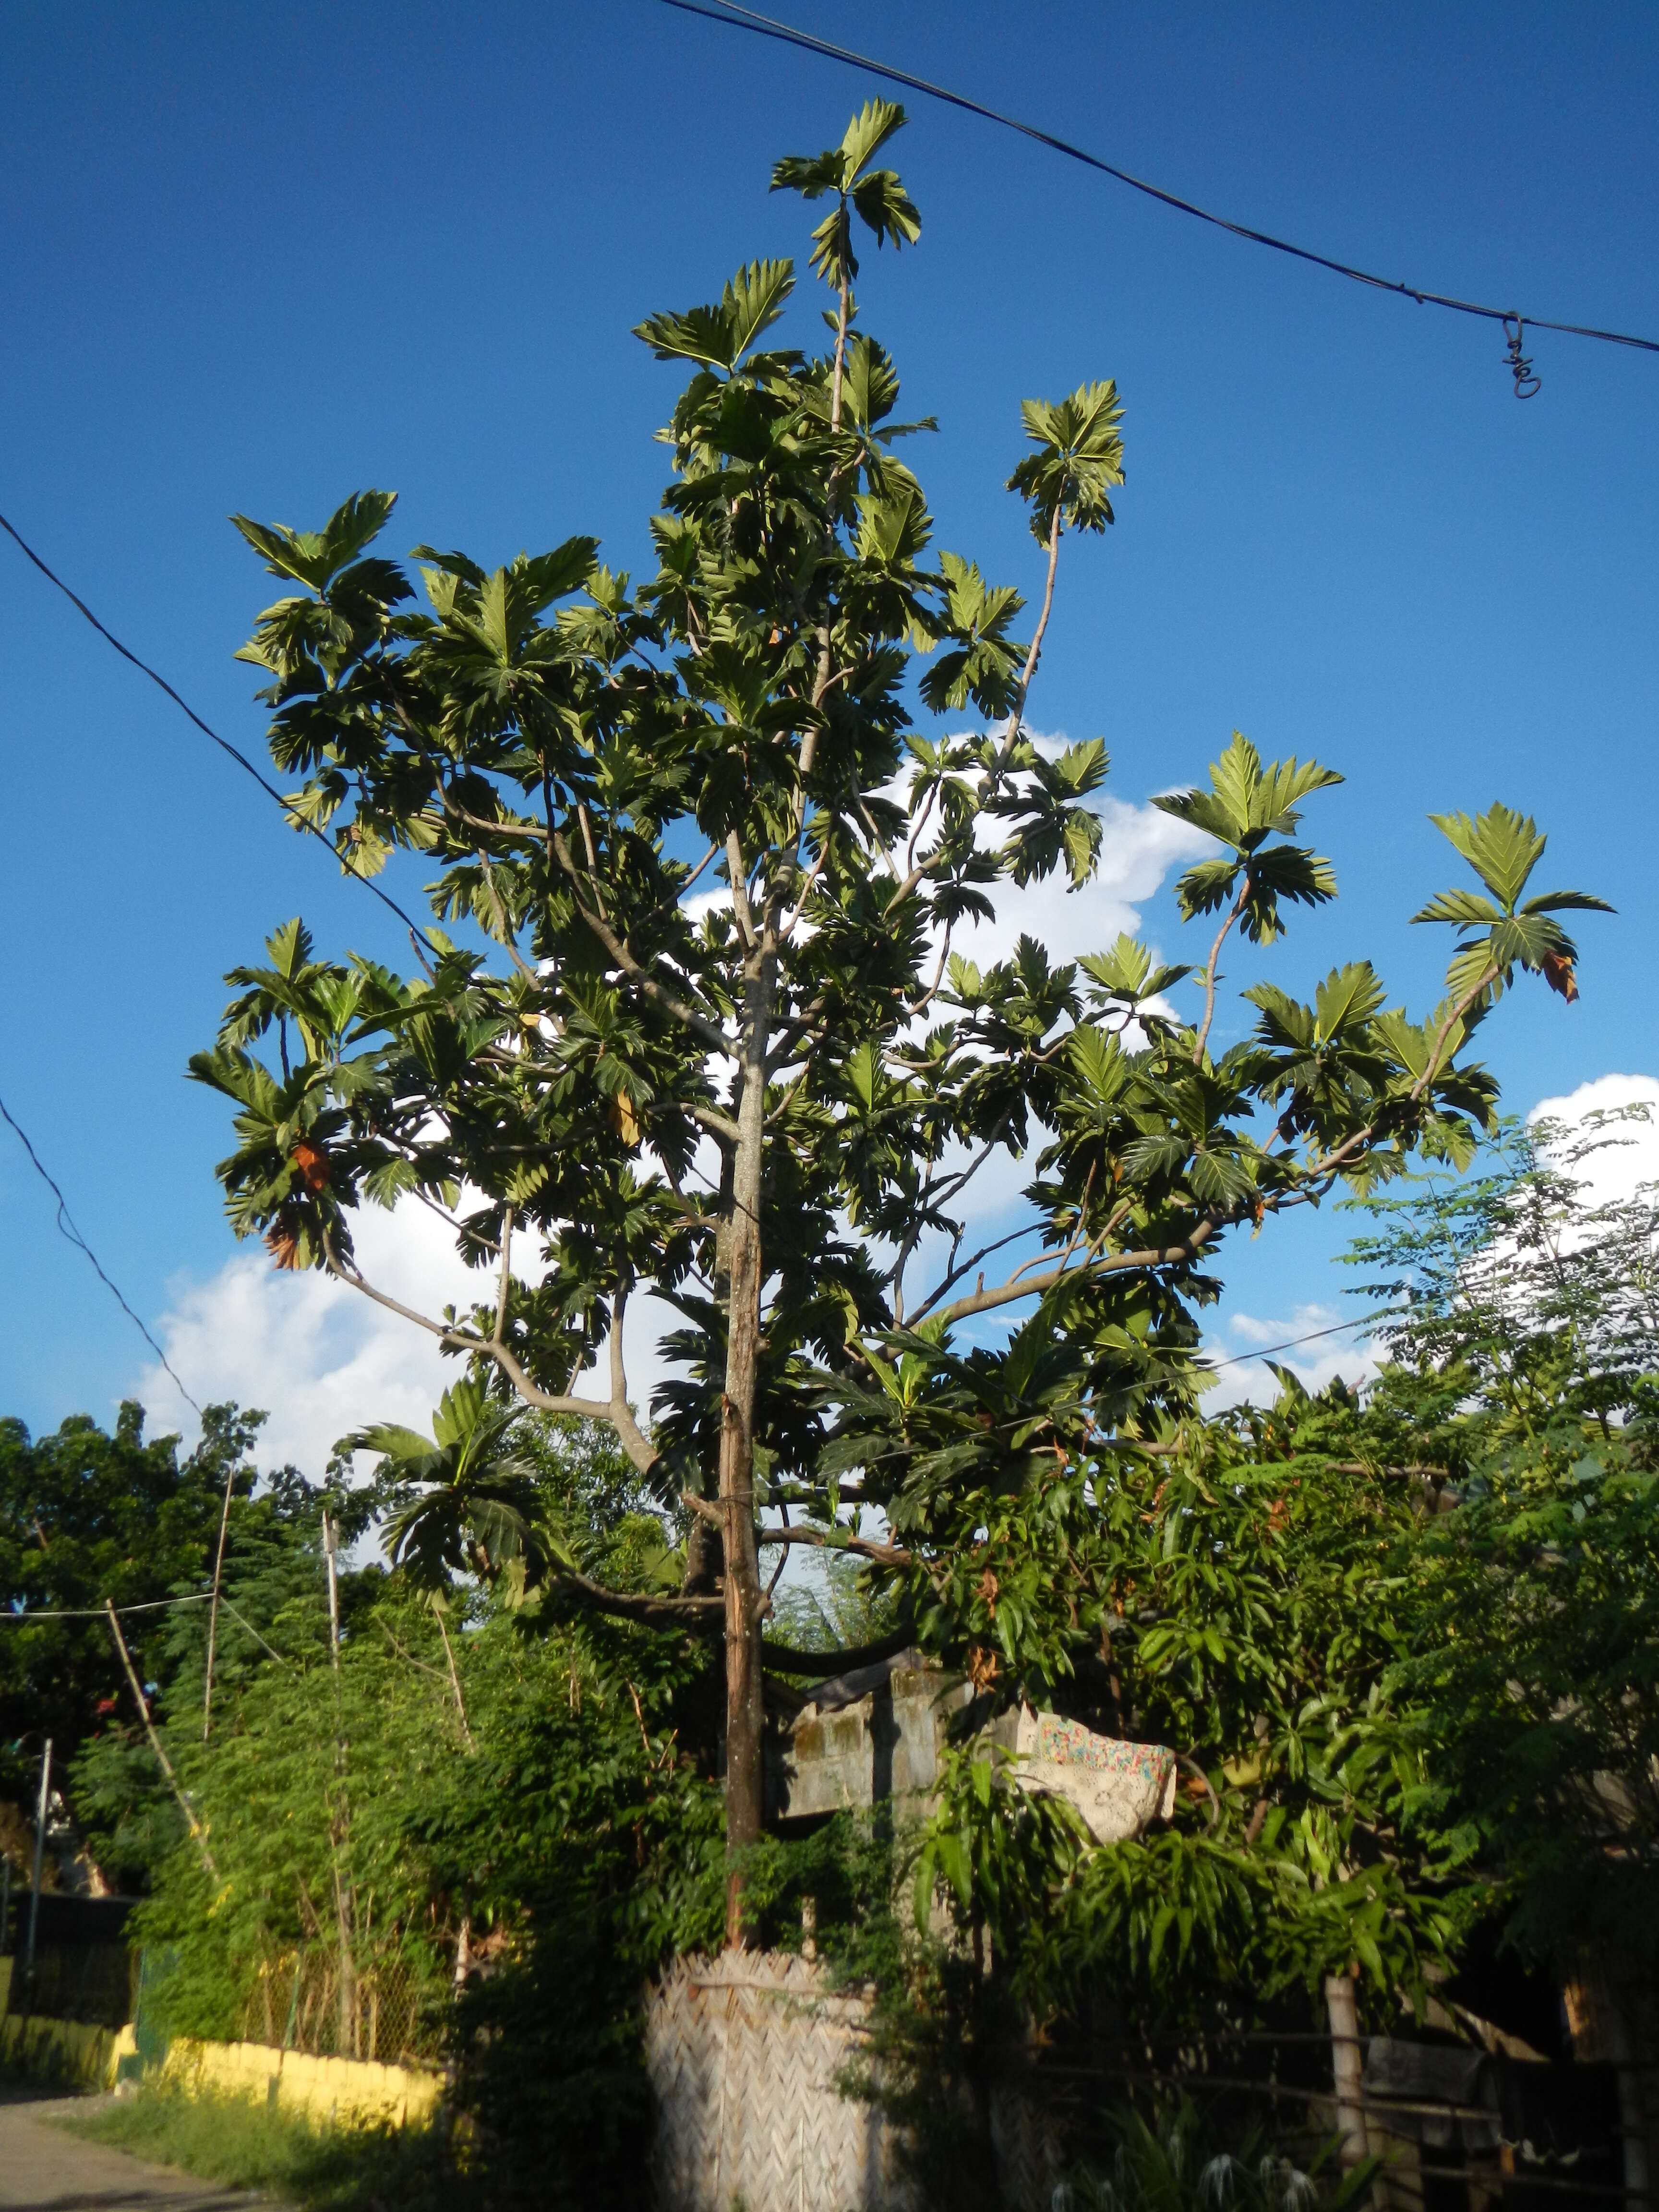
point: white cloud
(1631, 1156)
(1629, 1159)
(1139, 846)
(320, 1358)
(1311, 1340)
(323, 1359)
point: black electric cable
(737, 18)
(295, 821)
(9, 1614)
(1243, 1358)
(66, 1225)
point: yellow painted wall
(356, 2091)
(60, 2050)
(349, 2092)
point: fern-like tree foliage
(690, 1019)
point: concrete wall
(879, 1746)
(351, 2092)
(348, 2092)
(68, 2051)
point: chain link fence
(380, 2007)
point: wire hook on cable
(1520, 366)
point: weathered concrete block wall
(346, 2092)
(862, 1742)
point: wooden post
(1346, 2069)
(347, 2032)
(213, 1610)
(156, 1744)
(39, 1864)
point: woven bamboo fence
(743, 2053)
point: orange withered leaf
(624, 1119)
(1559, 974)
(313, 1163)
(283, 1245)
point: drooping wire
(234, 752)
(66, 1225)
(1243, 1358)
(737, 18)
(12, 1614)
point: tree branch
(789, 1661)
(1236, 909)
(957, 1272)
(618, 1416)
(622, 1605)
(885, 1555)
(688, 1017)
(717, 1124)
(1116, 1263)
(738, 873)
(1035, 651)
(499, 1334)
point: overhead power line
(234, 752)
(737, 18)
(11, 1614)
(65, 1219)
(66, 1225)
(1338, 1329)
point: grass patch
(247, 2145)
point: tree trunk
(742, 1559)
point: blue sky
(255, 257)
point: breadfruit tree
(690, 1019)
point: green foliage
(86, 1516)
(876, 196)
(1249, 1618)
(1503, 848)
(1244, 807)
(1525, 1364)
(502, 1785)
(1079, 460)
(248, 2146)
(462, 1498)
(1169, 2160)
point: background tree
(273, 1563)
(770, 1104)
(528, 1836)
(86, 1515)
(1525, 1363)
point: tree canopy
(86, 1515)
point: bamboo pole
(156, 1744)
(39, 1864)
(340, 1825)
(213, 1610)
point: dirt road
(46, 2170)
